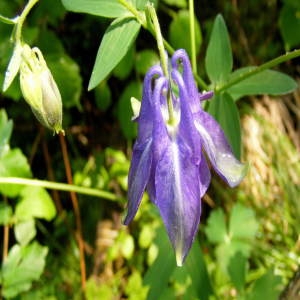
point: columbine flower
(168, 158)
(40, 90)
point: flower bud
(40, 90)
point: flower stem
(8, 20)
(192, 35)
(59, 187)
(22, 17)
(270, 64)
(134, 11)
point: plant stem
(270, 64)
(76, 208)
(134, 11)
(5, 238)
(192, 35)
(8, 20)
(22, 17)
(59, 187)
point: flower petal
(178, 197)
(205, 176)
(138, 177)
(218, 150)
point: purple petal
(205, 176)
(218, 150)
(178, 197)
(138, 177)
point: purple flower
(168, 156)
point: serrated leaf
(266, 82)
(13, 164)
(215, 229)
(179, 32)
(117, 40)
(22, 266)
(103, 8)
(25, 231)
(35, 202)
(5, 132)
(218, 59)
(242, 223)
(224, 110)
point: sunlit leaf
(215, 229)
(5, 132)
(25, 231)
(5, 213)
(116, 42)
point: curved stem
(192, 35)
(8, 20)
(59, 187)
(22, 17)
(270, 64)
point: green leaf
(102, 96)
(218, 59)
(177, 3)
(134, 89)
(35, 202)
(237, 269)
(179, 32)
(224, 110)
(124, 67)
(5, 213)
(289, 24)
(117, 40)
(13, 164)
(266, 82)
(215, 229)
(5, 132)
(25, 231)
(144, 60)
(269, 286)
(22, 266)
(67, 76)
(103, 8)
(242, 223)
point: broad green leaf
(266, 82)
(5, 132)
(242, 223)
(158, 275)
(22, 266)
(179, 32)
(116, 42)
(144, 60)
(218, 59)
(215, 229)
(124, 67)
(237, 269)
(103, 8)
(67, 76)
(35, 202)
(25, 231)
(13, 164)
(269, 286)
(224, 110)
(102, 96)
(289, 24)
(5, 213)
(125, 113)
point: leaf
(124, 67)
(35, 202)
(25, 231)
(102, 96)
(215, 229)
(224, 110)
(289, 24)
(242, 223)
(144, 60)
(103, 8)
(269, 286)
(5, 132)
(13, 164)
(266, 82)
(124, 111)
(237, 269)
(179, 32)
(116, 42)
(67, 76)
(22, 266)
(218, 59)
(5, 213)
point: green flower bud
(40, 90)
